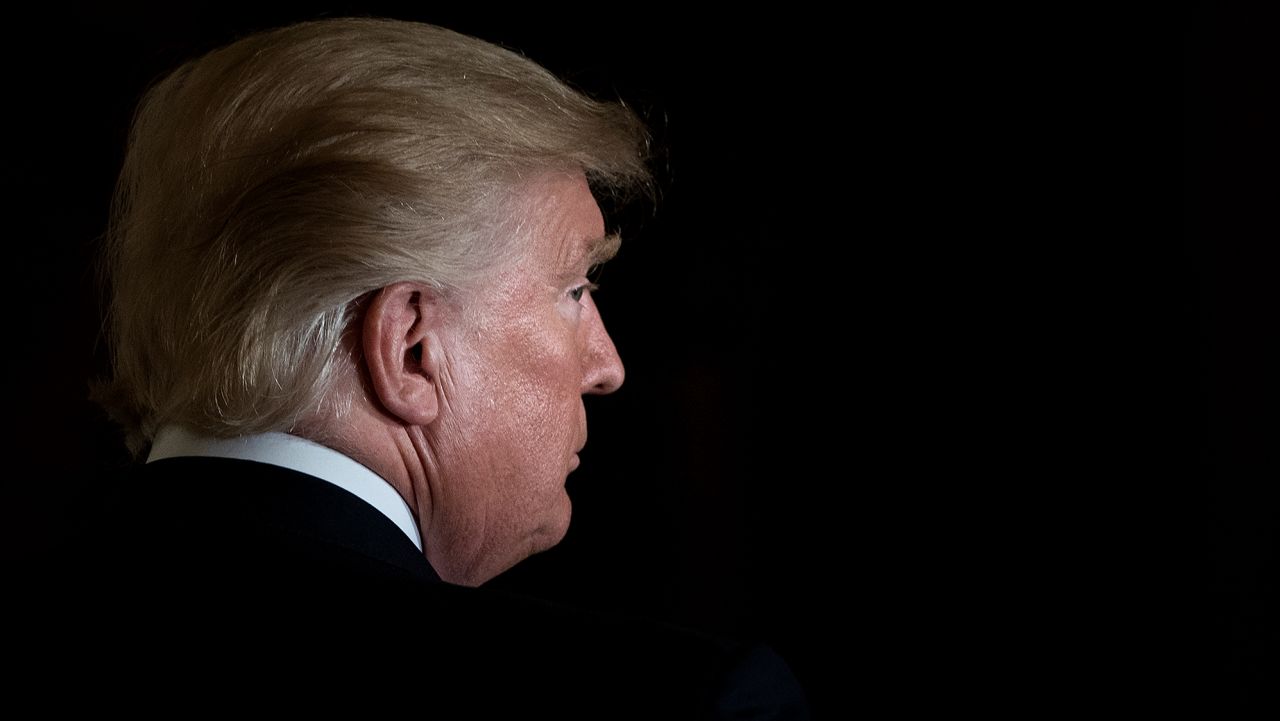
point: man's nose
(604, 371)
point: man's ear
(400, 325)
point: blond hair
(271, 183)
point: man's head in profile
(377, 236)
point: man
(351, 327)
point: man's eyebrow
(602, 249)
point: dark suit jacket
(224, 578)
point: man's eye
(578, 292)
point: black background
(1231, 143)
(699, 497)
(905, 337)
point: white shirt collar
(295, 453)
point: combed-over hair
(271, 183)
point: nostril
(606, 377)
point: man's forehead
(559, 214)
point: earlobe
(398, 326)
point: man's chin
(555, 531)
(555, 528)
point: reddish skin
(475, 410)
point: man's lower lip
(576, 461)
